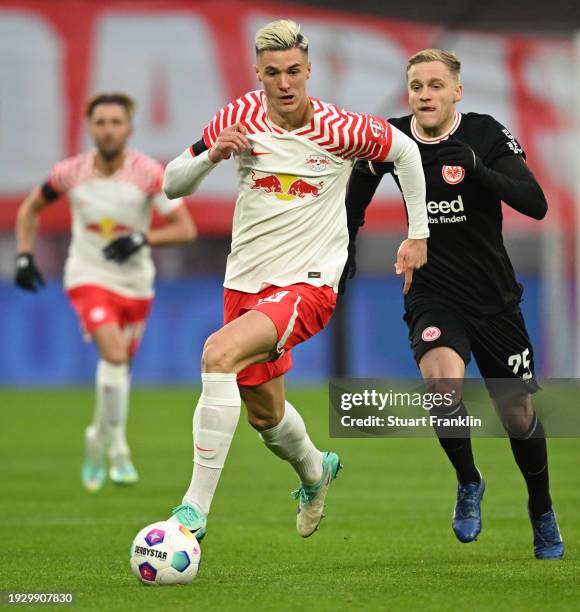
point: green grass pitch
(386, 543)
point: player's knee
(219, 355)
(518, 424)
(447, 391)
(517, 416)
(115, 355)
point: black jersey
(468, 266)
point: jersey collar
(437, 139)
(301, 131)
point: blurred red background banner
(182, 61)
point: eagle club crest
(453, 174)
(318, 163)
(430, 334)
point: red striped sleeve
(142, 171)
(254, 108)
(331, 127)
(247, 110)
(351, 133)
(69, 172)
(348, 135)
(372, 139)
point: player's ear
(458, 93)
(309, 70)
(257, 73)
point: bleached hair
(437, 55)
(280, 35)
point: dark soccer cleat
(547, 539)
(467, 514)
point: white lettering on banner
(33, 101)
(484, 74)
(169, 64)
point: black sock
(531, 455)
(458, 449)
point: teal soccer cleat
(122, 472)
(311, 497)
(191, 518)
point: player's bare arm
(178, 227)
(412, 255)
(27, 276)
(27, 220)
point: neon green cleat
(191, 518)
(311, 497)
(93, 470)
(122, 472)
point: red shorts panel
(96, 306)
(298, 311)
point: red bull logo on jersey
(107, 228)
(286, 186)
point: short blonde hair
(280, 35)
(122, 99)
(437, 55)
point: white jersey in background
(290, 218)
(105, 207)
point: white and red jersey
(105, 207)
(290, 218)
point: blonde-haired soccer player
(108, 277)
(293, 155)
(465, 301)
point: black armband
(197, 148)
(48, 192)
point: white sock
(214, 423)
(98, 431)
(113, 384)
(289, 441)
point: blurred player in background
(109, 272)
(294, 155)
(466, 298)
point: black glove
(453, 152)
(27, 275)
(349, 268)
(122, 248)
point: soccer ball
(165, 553)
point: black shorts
(500, 343)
